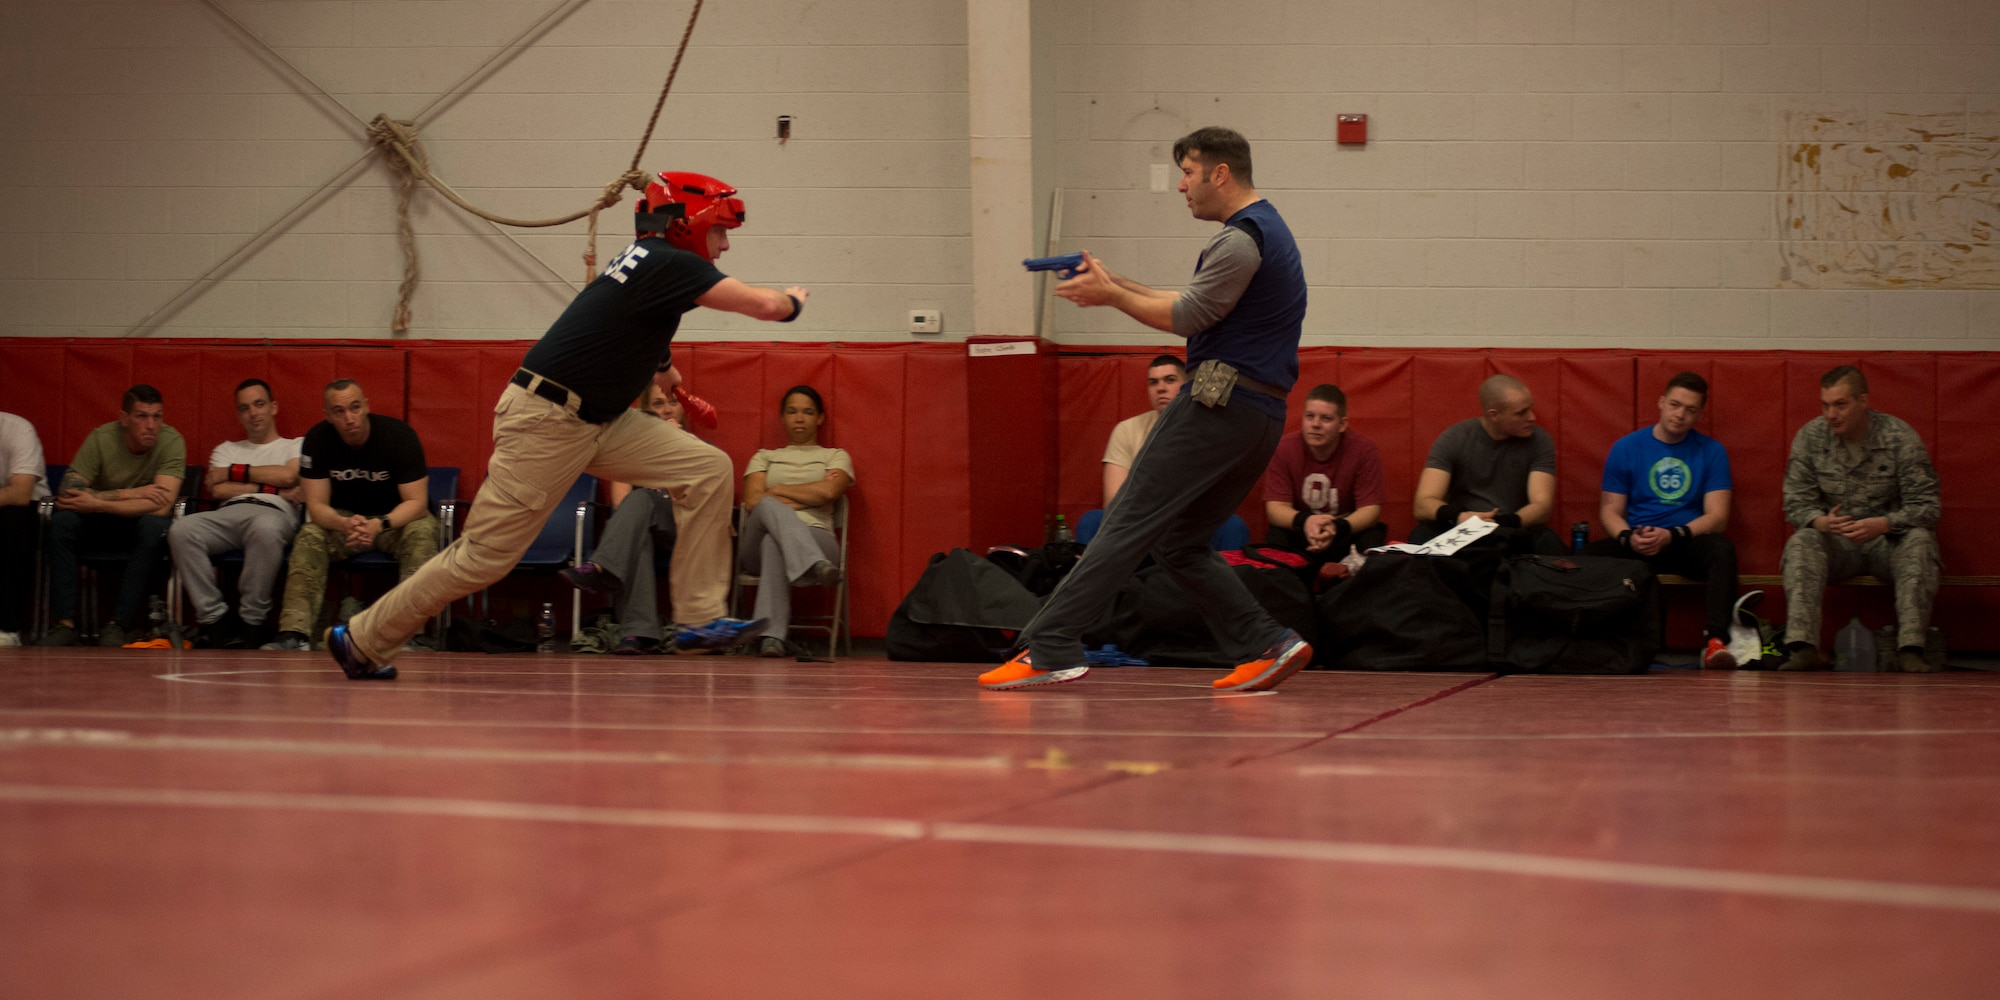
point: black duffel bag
(1573, 615)
(964, 609)
(1403, 612)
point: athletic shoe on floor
(1021, 672)
(111, 636)
(1911, 661)
(1717, 656)
(592, 577)
(60, 635)
(356, 666)
(1805, 657)
(10, 638)
(290, 642)
(1280, 660)
(638, 645)
(771, 648)
(716, 634)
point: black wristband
(1299, 521)
(1507, 520)
(1342, 531)
(1625, 538)
(1682, 532)
(797, 308)
(1448, 514)
(386, 526)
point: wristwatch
(386, 526)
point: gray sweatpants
(643, 521)
(259, 529)
(1193, 472)
(774, 541)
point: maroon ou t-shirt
(1350, 478)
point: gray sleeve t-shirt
(1488, 474)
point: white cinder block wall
(145, 141)
(1589, 173)
(1700, 173)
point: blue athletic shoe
(356, 666)
(716, 634)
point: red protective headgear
(683, 207)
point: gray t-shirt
(1488, 474)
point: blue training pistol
(1066, 265)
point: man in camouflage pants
(1861, 491)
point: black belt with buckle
(546, 389)
(1262, 388)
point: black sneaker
(219, 633)
(111, 636)
(638, 645)
(249, 636)
(60, 635)
(592, 577)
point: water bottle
(545, 630)
(156, 613)
(1854, 648)
(1579, 536)
(1062, 530)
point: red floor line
(1365, 723)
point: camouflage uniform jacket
(1893, 479)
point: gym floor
(223, 825)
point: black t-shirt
(619, 330)
(364, 478)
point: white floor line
(1717, 734)
(111, 739)
(665, 727)
(412, 684)
(1796, 887)
(1806, 887)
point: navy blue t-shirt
(619, 330)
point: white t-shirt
(21, 453)
(278, 452)
(802, 463)
(1126, 439)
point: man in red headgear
(567, 411)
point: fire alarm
(1351, 129)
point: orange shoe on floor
(1019, 673)
(1271, 667)
(1717, 656)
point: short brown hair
(1848, 374)
(1215, 144)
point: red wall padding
(901, 411)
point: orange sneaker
(1019, 672)
(1717, 657)
(1281, 660)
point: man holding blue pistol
(1241, 315)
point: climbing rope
(396, 139)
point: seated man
(642, 522)
(23, 481)
(255, 482)
(1860, 489)
(1666, 501)
(366, 489)
(1323, 489)
(1163, 382)
(1498, 466)
(119, 490)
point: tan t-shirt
(1123, 448)
(795, 464)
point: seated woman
(642, 522)
(787, 537)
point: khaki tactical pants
(539, 449)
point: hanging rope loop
(396, 139)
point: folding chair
(565, 537)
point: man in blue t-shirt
(567, 411)
(1241, 314)
(1666, 501)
